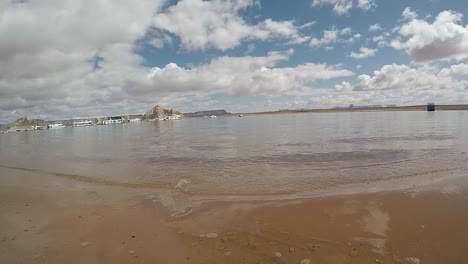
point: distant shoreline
(361, 109)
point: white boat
(58, 125)
(173, 117)
(170, 117)
(82, 123)
(213, 116)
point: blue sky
(69, 59)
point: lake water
(250, 157)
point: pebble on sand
(211, 235)
(413, 260)
(84, 244)
(277, 254)
(305, 261)
(228, 253)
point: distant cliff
(158, 112)
(24, 124)
(207, 113)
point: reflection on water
(251, 155)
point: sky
(62, 59)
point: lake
(254, 157)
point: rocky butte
(23, 124)
(158, 112)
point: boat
(58, 125)
(430, 107)
(212, 116)
(82, 123)
(241, 115)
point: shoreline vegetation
(158, 113)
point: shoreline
(370, 109)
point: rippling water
(255, 155)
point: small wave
(400, 138)
(94, 180)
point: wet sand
(61, 221)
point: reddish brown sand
(86, 225)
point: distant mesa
(24, 124)
(208, 113)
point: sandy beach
(63, 222)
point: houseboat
(82, 123)
(113, 120)
(172, 117)
(58, 125)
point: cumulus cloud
(217, 24)
(401, 85)
(236, 76)
(69, 59)
(382, 39)
(333, 35)
(363, 53)
(446, 38)
(342, 7)
(403, 77)
(454, 70)
(408, 14)
(375, 27)
(365, 4)
(64, 54)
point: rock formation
(24, 124)
(158, 112)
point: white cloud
(375, 27)
(455, 70)
(446, 38)
(343, 86)
(331, 36)
(217, 24)
(66, 59)
(306, 25)
(408, 14)
(342, 7)
(352, 38)
(365, 4)
(403, 77)
(49, 50)
(382, 39)
(363, 53)
(235, 76)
